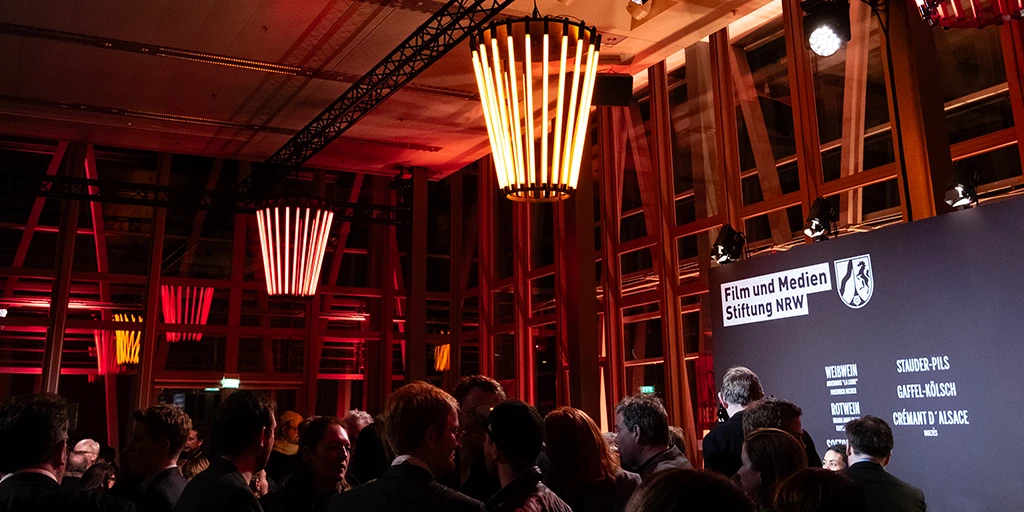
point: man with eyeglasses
(422, 424)
(286, 447)
(476, 395)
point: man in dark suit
(242, 437)
(771, 412)
(33, 454)
(869, 449)
(157, 439)
(475, 394)
(422, 424)
(642, 435)
(722, 446)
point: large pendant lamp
(185, 305)
(536, 79)
(293, 237)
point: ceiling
(101, 79)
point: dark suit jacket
(526, 493)
(480, 485)
(885, 492)
(162, 494)
(813, 459)
(219, 488)
(403, 488)
(671, 458)
(31, 492)
(722, 446)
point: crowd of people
(471, 450)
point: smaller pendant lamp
(293, 237)
(128, 341)
(536, 78)
(106, 353)
(185, 305)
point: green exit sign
(647, 389)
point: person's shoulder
(455, 500)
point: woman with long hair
(99, 477)
(769, 456)
(686, 490)
(584, 471)
(324, 451)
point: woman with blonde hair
(584, 472)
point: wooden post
(677, 389)
(102, 267)
(576, 291)
(612, 121)
(524, 337)
(377, 373)
(854, 109)
(805, 117)
(53, 347)
(1012, 34)
(920, 117)
(416, 324)
(150, 318)
(485, 261)
(312, 341)
(456, 285)
(726, 140)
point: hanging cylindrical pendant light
(185, 305)
(128, 341)
(293, 236)
(536, 79)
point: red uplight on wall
(185, 305)
(293, 237)
(969, 14)
(128, 341)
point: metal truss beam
(142, 194)
(432, 40)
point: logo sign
(854, 280)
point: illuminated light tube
(188, 305)
(974, 14)
(128, 341)
(536, 80)
(293, 239)
(442, 357)
(106, 353)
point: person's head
(677, 438)
(815, 489)
(99, 477)
(243, 427)
(258, 484)
(476, 394)
(835, 458)
(82, 456)
(355, 421)
(869, 438)
(769, 456)
(194, 466)
(157, 439)
(740, 386)
(641, 424)
(324, 447)
(686, 490)
(422, 420)
(288, 427)
(194, 442)
(107, 455)
(771, 412)
(515, 436)
(578, 452)
(33, 433)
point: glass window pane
(642, 340)
(638, 377)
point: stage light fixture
(963, 191)
(826, 25)
(638, 9)
(819, 223)
(728, 246)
